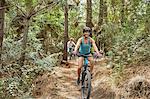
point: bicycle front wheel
(86, 85)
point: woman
(84, 44)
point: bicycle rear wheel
(86, 85)
(70, 56)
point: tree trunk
(101, 14)
(65, 32)
(24, 42)
(89, 14)
(28, 4)
(147, 21)
(122, 12)
(105, 12)
(100, 22)
(113, 4)
(2, 14)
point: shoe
(78, 81)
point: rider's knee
(79, 68)
(80, 61)
(91, 62)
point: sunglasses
(86, 34)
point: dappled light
(74, 49)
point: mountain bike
(85, 78)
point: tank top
(85, 48)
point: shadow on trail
(61, 84)
(101, 93)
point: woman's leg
(91, 64)
(79, 69)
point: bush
(137, 87)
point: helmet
(71, 38)
(86, 29)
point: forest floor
(61, 83)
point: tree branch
(34, 13)
(20, 10)
(15, 5)
(4, 7)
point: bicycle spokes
(86, 85)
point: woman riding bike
(70, 46)
(84, 44)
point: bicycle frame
(85, 65)
(85, 71)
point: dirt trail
(66, 81)
(61, 83)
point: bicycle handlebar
(89, 55)
(82, 55)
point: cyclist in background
(70, 46)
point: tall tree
(89, 14)
(147, 21)
(113, 9)
(101, 13)
(28, 15)
(65, 31)
(100, 22)
(28, 4)
(105, 12)
(2, 14)
(122, 12)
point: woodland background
(33, 36)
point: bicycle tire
(82, 84)
(84, 74)
(89, 83)
(70, 57)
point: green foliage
(12, 50)
(126, 43)
(18, 82)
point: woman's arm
(94, 45)
(73, 43)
